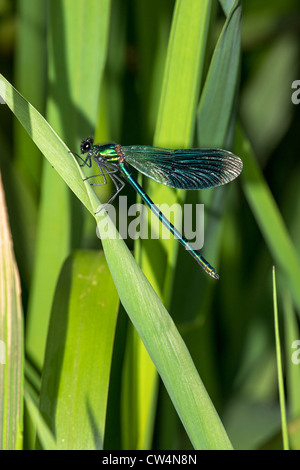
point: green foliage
(182, 360)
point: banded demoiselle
(179, 168)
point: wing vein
(186, 168)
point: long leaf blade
(267, 215)
(78, 355)
(140, 301)
(217, 98)
(279, 367)
(11, 340)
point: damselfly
(179, 168)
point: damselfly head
(86, 145)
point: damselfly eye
(86, 145)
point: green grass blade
(139, 395)
(75, 79)
(46, 140)
(174, 128)
(11, 340)
(152, 42)
(268, 217)
(167, 350)
(214, 129)
(163, 343)
(147, 389)
(76, 74)
(154, 325)
(214, 122)
(30, 55)
(52, 247)
(178, 102)
(292, 335)
(265, 126)
(78, 355)
(44, 434)
(226, 5)
(177, 110)
(217, 98)
(177, 113)
(22, 210)
(279, 368)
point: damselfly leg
(108, 169)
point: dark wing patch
(184, 169)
